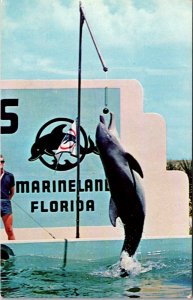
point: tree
(185, 166)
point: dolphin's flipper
(49, 152)
(113, 213)
(134, 164)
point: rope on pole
(33, 219)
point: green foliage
(185, 166)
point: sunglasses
(2, 161)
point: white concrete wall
(144, 136)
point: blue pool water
(165, 273)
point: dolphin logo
(127, 196)
(47, 143)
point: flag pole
(78, 126)
(105, 69)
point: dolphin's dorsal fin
(113, 214)
(134, 164)
(59, 128)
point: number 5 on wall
(9, 116)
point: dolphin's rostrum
(127, 197)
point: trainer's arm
(11, 192)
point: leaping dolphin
(127, 196)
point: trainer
(7, 192)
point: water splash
(152, 265)
(129, 265)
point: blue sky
(145, 40)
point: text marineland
(61, 186)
